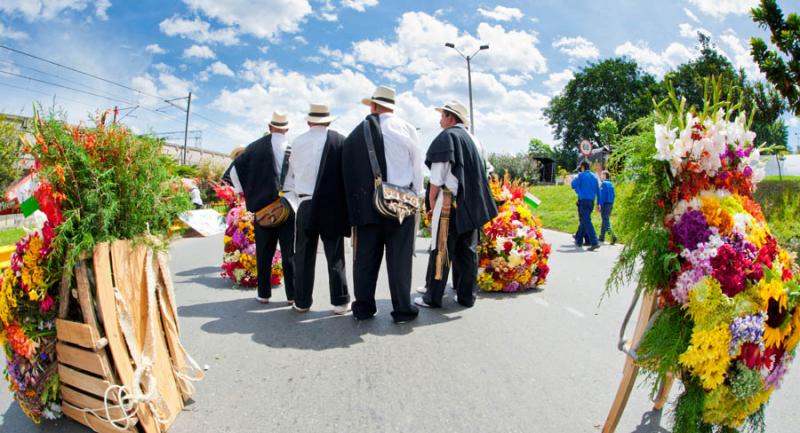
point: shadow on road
(651, 423)
(278, 326)
(14, 420)
(207, 276)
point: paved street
(543, 361)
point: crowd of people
(589, 190)
(368, 186)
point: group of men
(588, 188)
(331, 180)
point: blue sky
(243, 59)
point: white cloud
(34, 10)
(165, 86)
(577, 47)
(219, 68)
(394, 76)
(260, 21)
(9, 33)
(198, 30)
(741, 54)
(689, 31)
(501, 13)
(330, 17)
(359, 5)
(557, 80)
(300, 40)
(155, 49)
(653, 62)
(339, 58)
(199, 52)
(720, 8)
(691, 15)
(378, 52)
(513, 49)
(514, 80)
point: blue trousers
(605, 227)
(586, 232)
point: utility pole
(469, 78)
(186, 127)
(116, 111)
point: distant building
(790, 166)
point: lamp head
(449, 45)
(484, 47)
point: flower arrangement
(729, 299)
(425, 224)
(239, 257)
(513, 254)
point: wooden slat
(85, 295)
(93, 362)
(92, 421)
(64, 295)
(84, 382)
(116, 342)
(172, 333)
(85, 401)
(631, 369)
(663, 392)
(79, 334)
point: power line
(13, 74)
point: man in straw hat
(400, 160)
(258, 172)
(463, 203)
(316, 185)
(226, 177)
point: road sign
(586, 147)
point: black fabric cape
(328, 214)
(255, 168)
(474, 200)
(226, 177)
(359, 183)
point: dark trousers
(586, 232)
(369, 244)
(463, 258)
(605, 227)
(305, 259)
(266, 241)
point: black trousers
(369, 244)
(266, 242)
(463, 258)
(306, 259)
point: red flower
(507, 246)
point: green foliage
(778, 200)
(615, 88)
(518, 166)
(566, 157)
(767, 106)
(608, 132)
(10, 236)
(689, 409)
(664, 342)
(10, 153)
(746, 382)
(781, 66)
(538, 147)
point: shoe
(299, 310)
(421, 302)
(361, 319)
(614, 240)
(455, 298)
(422, 290)
(341, 310)
(290, 302)
(602, 240)
(261, 300)
(594, 247)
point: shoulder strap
(285, 166)
(373, 157)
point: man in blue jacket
(587, 186)
(605, 204)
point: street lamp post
(469, 78)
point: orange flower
(20, 342)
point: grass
(10, 236)
(558, 210)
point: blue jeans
(586, 232)
(605, 227)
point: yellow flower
(226, 240)
(33, 295)
(707, 305)
(794, 337)
(723, 408)
(757, 236)
(707, 356)
(775, 302)
(715, 214)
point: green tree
(615, 88)
(538, 147)
(607, 132)
(781, 66)
(518, 166)
(10, 153)
(769, 106)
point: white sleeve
(288, 183)
(237, 185)
(417, 160)
(439, 172)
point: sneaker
(261, 300)
(290, 302)
(299, 310)
(614, 240)
(455, 298)
(341, 310)
(422, 290)
(421, 302)
(594, 247)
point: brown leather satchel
(277, 212)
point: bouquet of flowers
(513, 253)
(729, 302)
(425, 224)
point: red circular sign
(586, 147)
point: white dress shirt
(304, 162)
(278, 148)
(404, 159)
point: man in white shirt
(314, 173)
(258, 172)
(400, 161)
(462, 202)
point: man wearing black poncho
(258, 173)
(462, 202)
(400, 161)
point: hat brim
(278, 126)
(328, 119)
(453, 112)
(370, 101)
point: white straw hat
(457, 108)
(319, 113)
(383, 96)
(279, 120)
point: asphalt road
(541, 361)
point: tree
(615, 88)
(517, 166)
(769, 106)
(538, 147)
(10, 153)
(607, 132)
(782, 67)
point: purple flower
(778, 371)
(512, 287)
(692, 229)
(748, 329)
(748, 171)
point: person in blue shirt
(587, 187)
(605, 205)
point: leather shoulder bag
(277, 212)
(390, 201)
